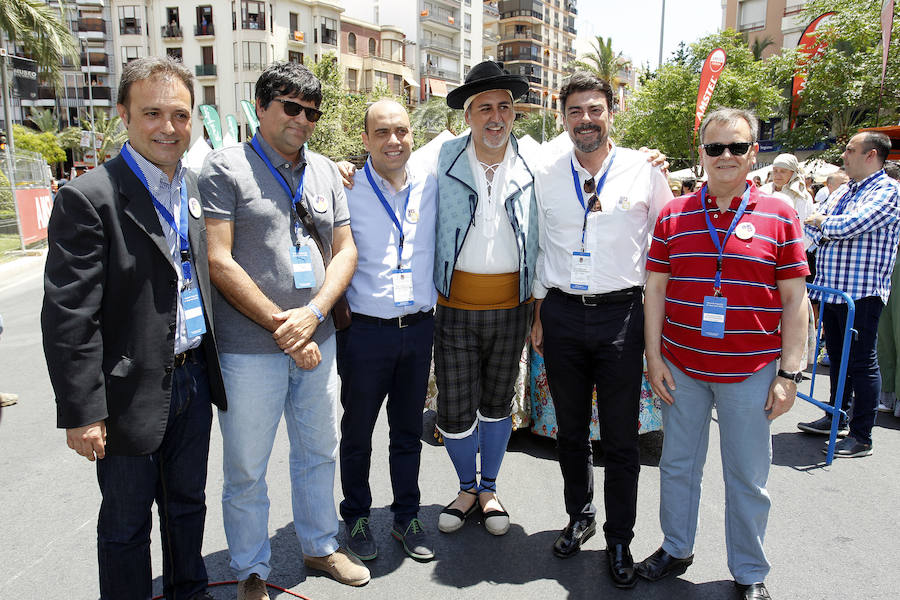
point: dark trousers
(863, 382)
(602, 346)
(175, 477)
(375, 361)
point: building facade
(374, 56)
(775, 20)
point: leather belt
(598, 299)
(399, 322)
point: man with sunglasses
(857, 230)
(281, 254)
(597, 206)
(725, 298)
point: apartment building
(373, 55)
(775, 20)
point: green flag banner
(250, 113)
(232, 123)
(212, 124)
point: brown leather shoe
(252, 588)
(343, 567)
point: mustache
(499, 124)
(588, 127)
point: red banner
(808, 46)
(887, 23)
(34, 213)
(709, 77)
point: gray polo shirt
(236, 185)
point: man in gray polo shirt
(277, 344)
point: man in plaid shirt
(857, 230)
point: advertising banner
(34, 207)
(709, 77)
(212, 124)
(808, 46)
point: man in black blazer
(128, 337)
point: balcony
(570, 29)
(444, 19)
(204, 30)
(205, 70)
(527, 35)
(89, 25)
(256, 24)
(793, 8)
(296, 37)
(434, 44)
(752, 26)
(171, 32)
(518, 14)
(440, 73)
(491, 10)
(96, 92)
(328, 36)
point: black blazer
(110, 301)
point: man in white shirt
(597, 206)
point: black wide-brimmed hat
(485, 76)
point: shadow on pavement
(798, 450)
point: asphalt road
(832, 531)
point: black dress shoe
(621, 566)
(754, 591)
(661, 564)
(576, 533)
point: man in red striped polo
(725, 298)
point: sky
(633, 25)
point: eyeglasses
(292, 109)
(736, 148)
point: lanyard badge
(582, 262)
(401, 278)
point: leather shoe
(661, 564)
(754, 591)
(570, 539)
(621, 566)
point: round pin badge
(320, 204)
(412, 215)
(745, 231)
(194, 207)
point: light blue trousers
(746, 447)
(261, 388)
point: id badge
(301, 261)
(581, 271)
(713, 323)
(403, 286)
(193, 313)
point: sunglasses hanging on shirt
(590, 188)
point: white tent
(425, 158)
(196, 154)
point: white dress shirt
(617, 237)
(490, 245)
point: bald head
(836, 180)
(378, 105)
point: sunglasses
(292, 109)
(736, 148)
(593, 202)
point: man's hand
(815, 219)
(308, 357)
(347, 170)
(88, 441)
(660, 379)
(297, 326)
(657, 159)
(537, 337)
(782, 393)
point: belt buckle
(400, 323)
(591, 302)
(180, 359)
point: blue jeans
(746, 448)
(863, 383)
(175, 477)
(261, 388)
(375, 361)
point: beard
(588, 146)
(504, 135)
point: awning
(438, 87)
(410, 81)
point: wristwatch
(795, 376)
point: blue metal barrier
(835, 411)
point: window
(207, 53)
(172, 16)
(392, 50)
(294, 24)
(295, 57)
(129, 20)
(129, 53)
(351, 42)
(467, 21)
(175, 53)
(352, 78)
(751, 14)
(209, 94)
(253, 15)
(373, 50)
(244, 94)
(328, 33)
(467, 48)
(204, 20)
(253, 55)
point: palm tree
(109, 130)
(603, 61)
(42, 32)
(760, 44)
(434, 116)
(44, 119)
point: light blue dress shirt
(377, 242)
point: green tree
(661, 114)
(842, 88)
(44, 119)
(434, 116)
(337, 133)
(541, 126)
(43, 143)
(108, 129)
(603, 62)
(759, 46)
(42, 32)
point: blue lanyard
(182, 230)
(296, 197)
(390, 211)
(720, 246)
(576, 180)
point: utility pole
(662, 29)
(90, 88)
(10, 167)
